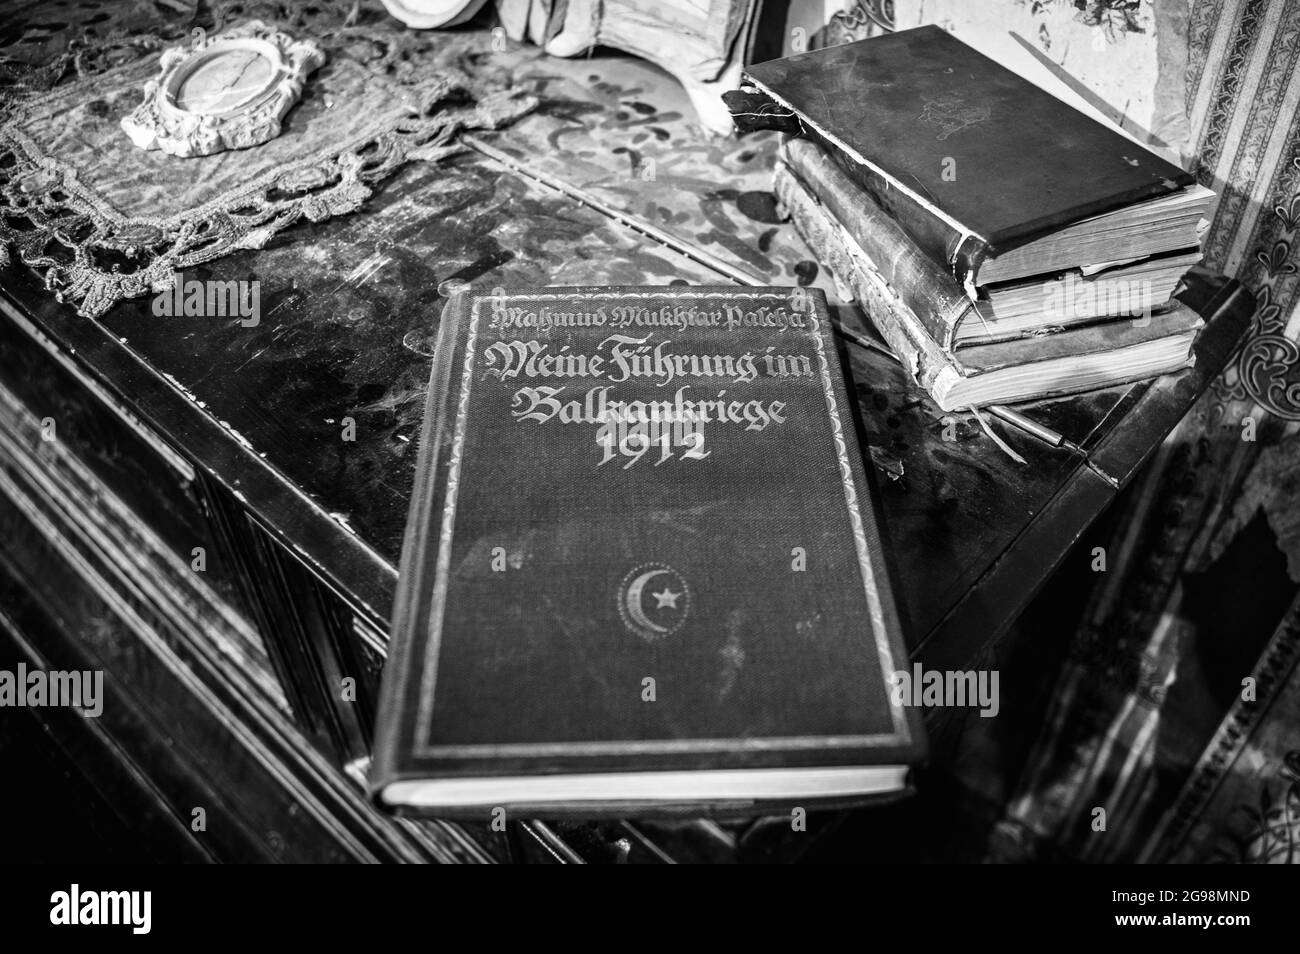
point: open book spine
(920, 354)
(937, 301)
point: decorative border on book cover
(443, 568)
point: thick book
(1068, 361)
(993, 177)
(1001, 312)
(934, 295)
(1075, 297)
(641, 571)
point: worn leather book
(925, 287)
(1070, 360)
(1001, 312)
(641, 570)
(993, 178)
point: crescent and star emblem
(653, 601)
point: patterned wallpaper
(1243, 104)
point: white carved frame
(161, 123)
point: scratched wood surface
(349, 308)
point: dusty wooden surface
(349, 308)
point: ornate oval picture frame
(229, 91)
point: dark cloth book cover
(642, 538)
(969, 157)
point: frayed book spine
(924, 360)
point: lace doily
(104, 221)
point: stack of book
(1007, 246)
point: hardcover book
(1001, 312)
(992, 177)
(1070, 360)
(642, 571)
